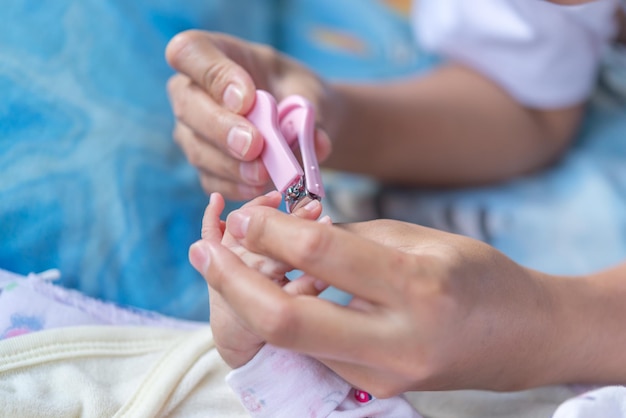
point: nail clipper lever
(284, 126)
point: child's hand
(236, 343)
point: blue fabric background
(90, 179)
(91, 182)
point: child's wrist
(236, 359)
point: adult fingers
(204, 57)
(344, 340)
(305, 285)
(271, 199)
(407, 237)
(272, 268)
(303, 323)
(213, 161)
(345, 260)
(219, 172)
(231, 133)
(230, 190)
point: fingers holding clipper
(210, 60)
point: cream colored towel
(114, 372)
(102, 371)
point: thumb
(210, 60)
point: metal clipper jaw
(289, 124)
(297, 195)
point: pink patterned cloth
(275, 383)
(33, 303)
(279, 383)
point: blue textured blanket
(91, 182)
(90, 179)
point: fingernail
(212, 198)
(199, 256)
(250, 172)
(325, 220)
(238, 224)
(312, 205)
(239, 140)
(233, 97)
(320, 285)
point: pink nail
(320, 285)
(239, 140)
(325, 220)
(272, 193)
(233, 97)
(238, 224)
(312, 205)
(199, 256)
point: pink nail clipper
(281, 125)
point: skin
(235, 341)
(432, 310)
(213, 88)
(450, 127)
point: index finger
(340, 258)
(303, 323)
(206, 59)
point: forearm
(593, 313)
(451, 127)
(552, 330)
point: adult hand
(234, 339)
(212, 91)
(432, 310)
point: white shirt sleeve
(278, 383)
(607, 402)
(544, 55)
